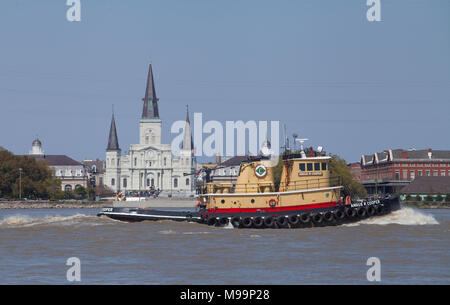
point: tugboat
(306, 196)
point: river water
(412, 246)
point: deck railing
(266, 187)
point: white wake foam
(27, 221)
(404, 216)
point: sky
(319, 66)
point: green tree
(418, 198)
(439, 198)
(447, 198)
(277, 171)
(35, 180)
(352, 187)
(81, 192)
(408, 197)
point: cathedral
(150, 165)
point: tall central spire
(187, 139)
(150, 108)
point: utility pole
(20, 183)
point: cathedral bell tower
(113, 152)
(150, 123)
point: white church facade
(150, 165)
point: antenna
(302, 152)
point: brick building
(391, 170)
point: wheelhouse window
(317, 166)
(309, 166)
(302, 167)
(324, 166)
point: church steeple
(187, 139)
(150, 107)
(113, 142)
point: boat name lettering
(311, 174)
(365, 203)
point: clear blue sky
(319, 66)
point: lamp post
(20, 183)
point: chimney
(218, 159)
(430, 153)
(404, 155)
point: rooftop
(56, 160)
(428, 185)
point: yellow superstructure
(304, 180)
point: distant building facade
(95, 170)
(391, 170)
(150, 164)
(228, 170)
(71, 173)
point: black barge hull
(318, 217)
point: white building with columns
(150, 164)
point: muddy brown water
(412, 245)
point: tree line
(25, 177)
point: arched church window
(113, 181)
(124, 182)
(165, 159)
(94, 168)
(187, 181)
(175, 182)
(153, 182)
(148, 182)
(68, 188)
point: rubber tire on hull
(379, 209)
(269, 221)
(371, 210)
(212, 221)
(305, 219)
(350, 212)
(339, 214)
(258, 222)
(362, 212)
(293, 220)
(282, 221)
(236, 221)
(223, 221)
(247, 222)
(328, 217)
(317, 218)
